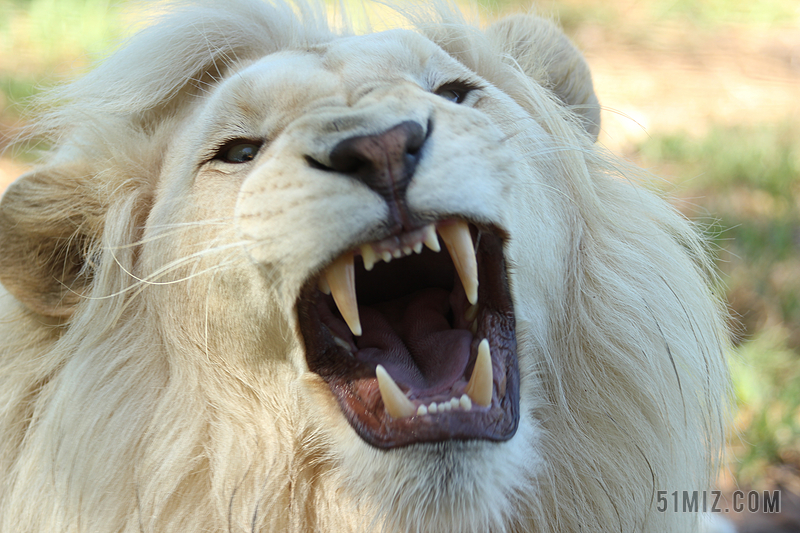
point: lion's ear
(547, 56)
(46, 221)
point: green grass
(53, 31)
(748, 177)
(42, 41)
(764, 157)
(767, 379)
(715, 12)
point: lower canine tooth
(341, 278)
(480, 384)
(395, 402)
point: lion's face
(336, 176)
(373, 280)
(376, 207)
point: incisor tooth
(466, 403)
(368, 255)
(431, 240)
(480, 385)
(422, 410)
(396, 403)
(418, 248)
(459, 243)
(341, 277)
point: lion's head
(272, 277)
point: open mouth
(417, 343)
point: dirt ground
(680, 82)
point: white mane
(623, 383)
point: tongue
(412, 338)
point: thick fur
(152, 374)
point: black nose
(384, 162)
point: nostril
(313, 163)
(384, 162)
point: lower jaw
(361, 402)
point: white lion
(227, 308)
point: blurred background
(704, 93)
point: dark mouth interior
(414, 317)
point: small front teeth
(339, 278)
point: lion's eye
(455, 92)
(238, 151)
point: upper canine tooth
(341, 277)
(395, 402)
(368, 255)
(459, 243)
(480, 385)
(430, 238)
